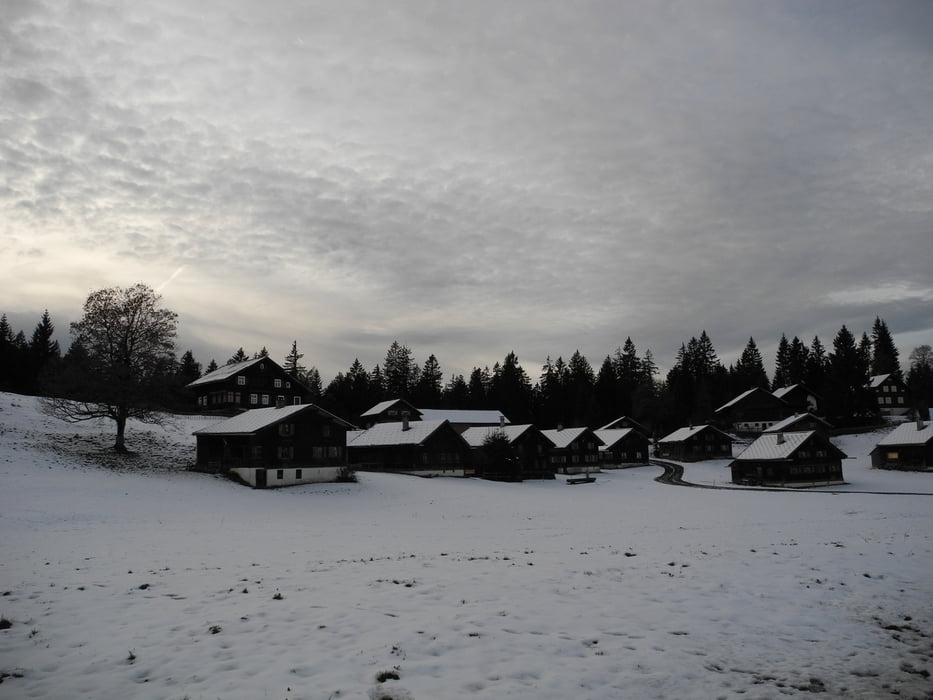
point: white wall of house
(288, 476)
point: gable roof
(908, 434)
(682, 434)
(385, 434)
(783, 425)
(477, 435)
(386, 405)
(745, 394)
(564, 436)
(226, 371)
(781, 446)
(610, 436)
(635, 424)
(463, 415)
(250, 422)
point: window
(241, 380)
(286, 429)
(236, 397)
(288, 385)
(254, 399)
(297, 473)
(279, 400)
(229, 397)
(893, 455)
(265, 399)
(296, 400)
(286, 452)
(334, 451)
(277, 383)
(317, 452)
(280, 474)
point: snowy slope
(154, 582)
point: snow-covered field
(152, 582)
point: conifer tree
(749, 369)
(239, 356)
(292, 365)
(885, 357)
(782, 365)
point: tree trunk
(120, 444)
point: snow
(144, 580)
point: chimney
(780, 438)
(280, 402)
(405, 425)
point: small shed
(526, 456)
(909, 447)
(695, 443)
(573, 450)
(799, 460)
(423, 447)
(622, 447)
(281, 446)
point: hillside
(143, 580)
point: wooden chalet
(890, 393)
(296, 444)
(800, 398)
(801, 422)
(423, 447)
(909, 447)
(626, 422)
(256, 383)
(752, 411)
(622, 447)
(391, 411)
(798, 459)
(695, 443)
(527, 455)
(574, 450)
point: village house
(425, 448)
(799, 459)
(801, 422)
(800, 398)
(573, 450)
(281, 446)
(695, 443)
(241, 386)
(909, 446)
(752, 411)
(390, 411)
(622, 447)
(526, 457)
(890, 393)
(626, 422)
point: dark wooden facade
(527, 455)
(908, 447)
(421, 447)
(623, 447)
(573, 450)
(799, 459)
(297, 436)
(890, 393)
(801, 399)
(801, 423)
(256, 383)
(753, 411)
(391, 411)
(693, 444)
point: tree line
(565, 392)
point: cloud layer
(472, 178)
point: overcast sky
(470, 178)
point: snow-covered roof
(396, 434)
(563, 436)
(682, 434)
(909, 434)
(252, 421)
(463, 416)
(226, 371)
(610, 436)
(784, 391)
(877, 380)
(772, 446)
(783, 425)
(610, 424)
(477, 435)
(737, 399)
(384, 405)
